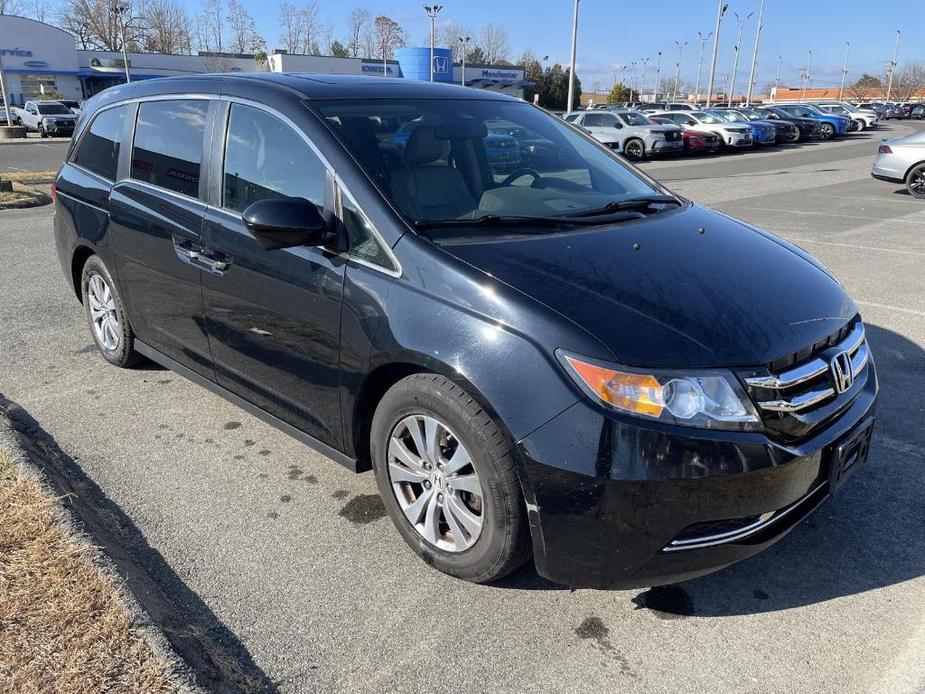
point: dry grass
(63, 625)
(22, 196)
(29, 176)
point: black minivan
(565, 361)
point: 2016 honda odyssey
(565, 361)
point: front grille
(672, 136)
(809, 388)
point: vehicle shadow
(218, 659)
(868, 536)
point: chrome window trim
(157, 189)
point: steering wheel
(514, 175)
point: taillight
(53, 191)
(885, 149)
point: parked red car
(694, 142)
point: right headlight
(708, 398)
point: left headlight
(708, 399)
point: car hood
(658, 292)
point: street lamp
(720, 11)
(634, 87)
(645, 62)
(463, 45)
(432, 12)
(889, 84)
(119, 11)
(677, 74)
(803, 75)
(658, 74)
(844, 70)
(780, 59)
(735, 61)
(703, 46)
(751, 77)
(809, 76)
(571, 72)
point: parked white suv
(730, 134)
(630, 131)
(48, 118)
(864, 118)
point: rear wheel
(634, 149)
(447, 479)
(826, 131)
(105, 314)
(915, 181)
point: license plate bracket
(850, 454)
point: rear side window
(99, 149)
(265, 158)
(168, 144)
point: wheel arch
(82, 253)
(912, 166)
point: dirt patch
(63, 624)
(32, 177)
(22, 196)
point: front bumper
(59, 130)
(736, 140)
(664, 147)
(609, 497)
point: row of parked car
(642, 130)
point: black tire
(915, 181)
(861, 124)
(634, 149)
(42, 132)
(123, 354)
(504, 541)
(826, 131)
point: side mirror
(617, 124)
(285, 223)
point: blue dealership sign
(415, 63)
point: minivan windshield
(470, 163)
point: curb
(23, 451)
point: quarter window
(265, 158)
(363, 242)
(168, 144)
(99, 149)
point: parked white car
(48, 118)
(902, 160)
(731, 134)
(865, 118)
(630, 131)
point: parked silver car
(865, 118)
(731, 134)
(635, 135)
(902, 160)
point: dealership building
(42, 60)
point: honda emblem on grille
(842, 374)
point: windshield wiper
(639, 202)
(493, 220)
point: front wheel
(105, 314)
(861, 125)
(826, 131)
(634, 150)
(42, 132)
(915, 181)
(448, 481)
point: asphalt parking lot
(287, 562)
(17, 156)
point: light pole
(463, 45)
(751, 76)
(119, 10)
(889, 84)
(634, 87)
(703, 46)
(720, 11)
(809, 76)
(735, 60)
(432, 12)
(803, 75)
(844, 71)
(658, 74)
(677, 74)
(780, 59)
(645, 62)
(571, 72)
(6, 103)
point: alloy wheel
(103, 313)
(435, 483)
(827, 131)
(915, 183)
(634, 150)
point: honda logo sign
(842, 373)
(441, 64)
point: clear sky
(614, 32)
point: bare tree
(390, 36)
(357, 25)
(96, 25)
(10, 6)
(495, 43)
(312, 29)
(243, 28)
(864, 87)
(166, 28)
(449, 36)
(211, 27)
(908, 80)
(40, 10)
(290, 21)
